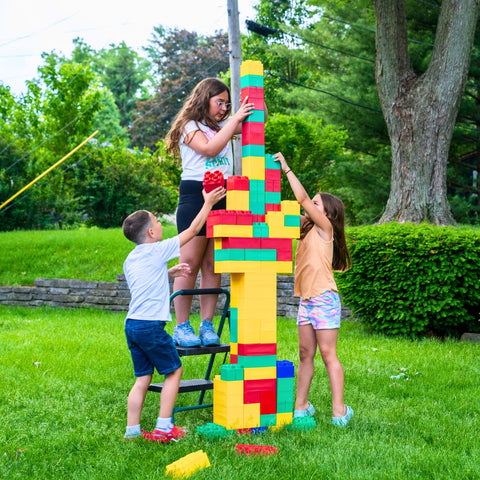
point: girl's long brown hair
(335, 212)
(196, 108)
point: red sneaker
(163, 437)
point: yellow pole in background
(49, 170)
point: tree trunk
(420, 111)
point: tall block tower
(253, 242)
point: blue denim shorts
(151, 347)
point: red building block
(253, 133)
(257, 348)
(268, 403)
(255, 96)
(272, 180)
(255, 449)
(234, 242)
(237, 182)
(213, 180)
(283, 246)
(244, 218)
(273, 207)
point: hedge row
(413, 280)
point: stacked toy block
(253, 242)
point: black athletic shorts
(190, 202)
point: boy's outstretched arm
(211, 199)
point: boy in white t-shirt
(150, 345)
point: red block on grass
(255, 449)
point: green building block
(261, 255)
(292, 220)
(253, 150)
(260, 230)
(251, 81)
(303, 424)
(256, 116)
(270, 162)
(233, 325)
(212, 430)
(229, 254)
(257, 361)
(273, 197)
(269, 420)
(231, 372)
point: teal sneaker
(184, 335)
(343, 421)
(309, 412)
(207, 334)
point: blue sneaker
(343, 421)
(207, 334)
(309, 412)
(184, 335)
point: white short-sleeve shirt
(194, 165)
(146, 272)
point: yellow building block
(251, 266)
(259, 373)
(284, 418)
(251, 67)
(253, 167)
(283, 232)
(290, 207)
(274, 219)
(228, 403)
(251, 415)
(217, 243)
(242, 231)
(234, 349)
(238, 200)
(187, 465)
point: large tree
(420, 110)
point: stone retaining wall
(65, 293)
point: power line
(323, 91)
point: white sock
(133, 431)
(164, 424)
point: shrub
(413, 279)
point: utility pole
(235, 45)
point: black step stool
(199, 384)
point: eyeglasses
(223, 104)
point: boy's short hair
(135, 226)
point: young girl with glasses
(201, 135)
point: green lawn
(66, 375)
(84, 254)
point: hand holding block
(213, 180)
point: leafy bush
(413, 279)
